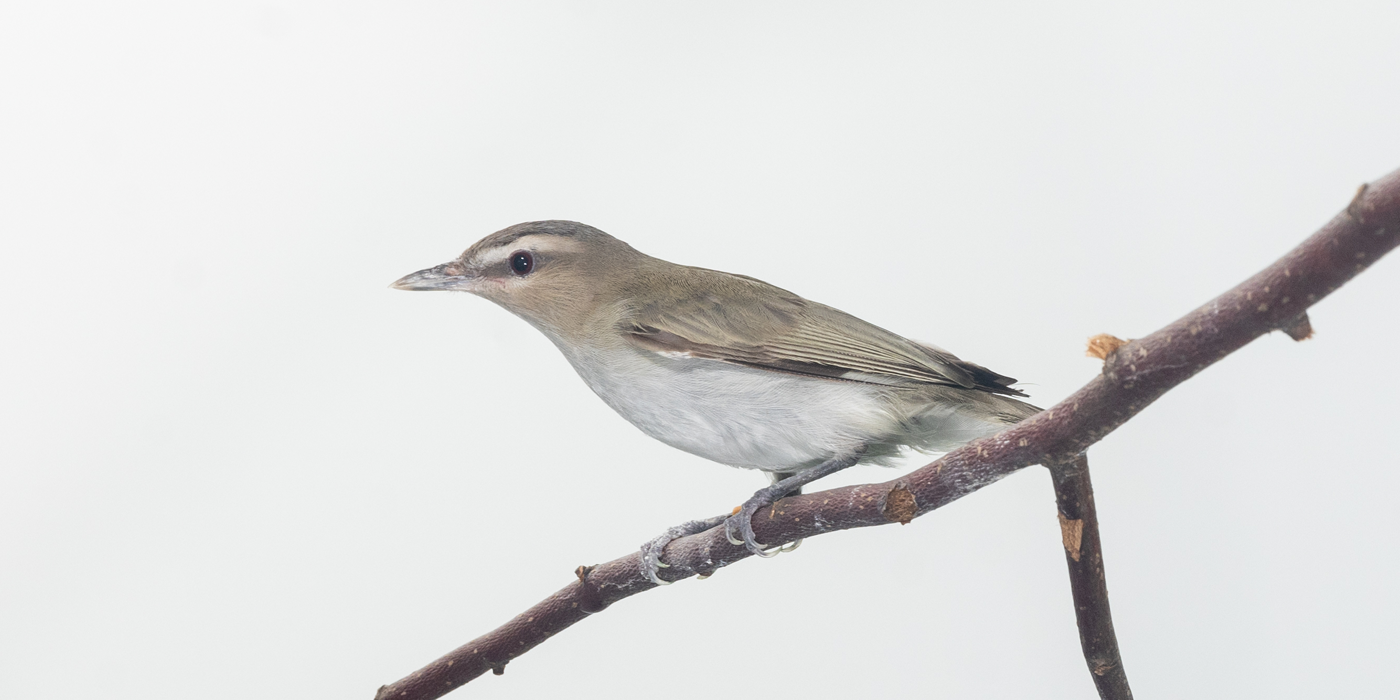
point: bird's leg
(784, 484)
(742, 521)
(773, 478)
(651, 551)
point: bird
(728, 367)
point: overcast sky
(234, 464)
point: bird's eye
(522, 262)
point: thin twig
(1079, 530)
(1134, 376)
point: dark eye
(522, 262)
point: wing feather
(714, 315)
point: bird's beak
(447, 277)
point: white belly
(737, 415)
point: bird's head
(554, 274)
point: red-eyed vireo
(727, 367)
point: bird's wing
(740, 320)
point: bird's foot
(651, 551)
(742, 523)
(741, 520)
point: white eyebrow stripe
(495, 255)
(546, 244)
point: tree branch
(1079, 529)
(1134, 375)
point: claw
(751, 544)
(729, 533)
(650, 563)
(790, 546)
(749, 540)
(652, 551)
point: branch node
(1072, 535)
(1298, 328)
(590, 600)
(1103, 345)
(1101, 667)
(900, 505)
(1353, 210)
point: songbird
(728, 367)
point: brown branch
(1134, 375)
(1079, 529)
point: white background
(235, 464)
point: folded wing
(759, 325)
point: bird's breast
(736, 415)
